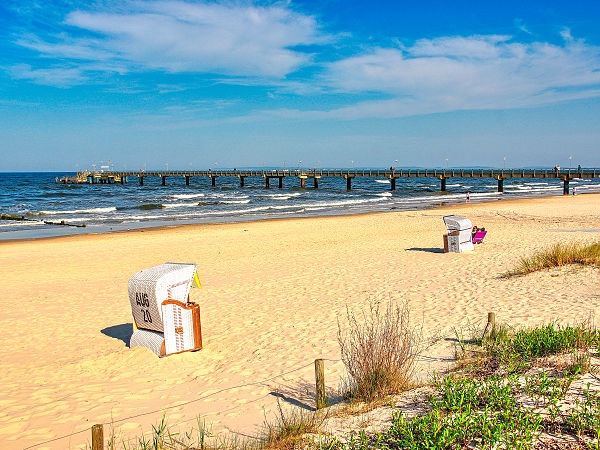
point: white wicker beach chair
(163, 319)
(459, 237)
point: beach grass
(558, 255)
(378, 347)
(288, 430)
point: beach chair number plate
(141, 299)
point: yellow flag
(197, 281)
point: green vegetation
(502, 399)
(556, 256)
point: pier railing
(315, 174)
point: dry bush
(378, 348)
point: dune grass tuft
(379, 350)
(556, 256)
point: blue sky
(240, 83)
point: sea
(56, 209)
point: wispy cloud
(457, 73)
(55, 76)
(233, 39)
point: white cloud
(59, 76)
(173, 36)
(455, 73)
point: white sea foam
(184, 196)
(81, 211)
(384, 194)
(243, 202)
(21, 223)
(287, 195)
(383, 181)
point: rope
(255, 383)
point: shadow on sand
(430, 250)
(303, 395)
(122, 332)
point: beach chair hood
(457, 223)
(150, 287)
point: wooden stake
(98, 437)
(320, 381)
(490, 327)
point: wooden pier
(112, 177)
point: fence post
(98, 437)
(320, 381)
(490, 327)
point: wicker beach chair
(163, 318)
(459, 238)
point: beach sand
(272, 295)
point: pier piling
(187, 180)
(500, 184)
(393, 184)
(164, 181)
(242, 181)
(443, 187)
(267, 182)
(213, 181)
(348, 183)
(316, 182)
(566, 186)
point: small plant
(580, 363)
(378, 350)
(517, 349)
(289, 429)
(556, 256)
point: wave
(235, 201)
(281, 196)
(184, 196)
(382, 181)
(75, 211)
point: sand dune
(272, 294)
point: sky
(330, 83)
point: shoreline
(177, 224)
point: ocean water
(113, 207)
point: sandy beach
(272, 295)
